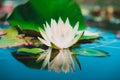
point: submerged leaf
(90, 52)
(32, 50)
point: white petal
(53, 23)
(44, 35)
(60, 22)
(67, 22)
(44, 42)
(76, 38)
(47, 25)
(49, 33)
(76, 27)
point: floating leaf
(11, 39)
(86, 39)
(11, 32)
(30, 50)
(89, 37)
(89, 52)
(36, 13)
(11, 42)
(2, 32)
(24, 25)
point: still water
(93, 68)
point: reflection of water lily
(63, 61)
(60, 36)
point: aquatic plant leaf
(24, 25)
(86, 39)
(11, 42)
(11, 32)
(30, 50)
(11, 39)
(27, 32)
(2, 33)
(89, 37)
(36, 13)
(90, 52)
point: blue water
(93, 68)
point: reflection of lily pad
(28, 60)
(90, 52)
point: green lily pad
(36, 13)
(11, 39)
(30, 50)
(11, 32)
(90, 52)
(11, 42)
(89, 37)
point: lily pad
(30, 50)
(11, 32)
(89, 37)
(36, 13)
(11, 42)
(11, 39)
(90, 52)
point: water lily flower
(60, 36)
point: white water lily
(61, 34)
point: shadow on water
(30, 60)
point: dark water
(93, 68)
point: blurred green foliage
(36, 12)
